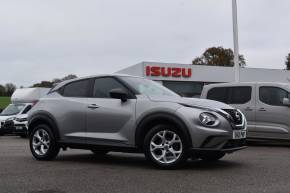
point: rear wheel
(212, 156)
(166, 147)
(43, 144)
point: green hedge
(4, 101)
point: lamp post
(236, 41)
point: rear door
(272, 117)
(110, 121)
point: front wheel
(43, 144)
(212, 156)
(166, 147)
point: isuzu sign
(168, 71)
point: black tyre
(43, 144)
(166, 147)
(99, 152)
(212, 156)
(23, 135)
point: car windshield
(12, 109)
(148, 87)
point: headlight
(208, 119)
(21, 119)
(11, 119)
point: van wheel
(43, 145)
(99, 152)
(166, 147)
(211, 156)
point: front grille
(235, 143)
(9, 124)
(236, 116)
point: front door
(109, 121)
(272, 117)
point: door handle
(248, 109)
(262, 109)
(93, 106)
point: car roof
(89, 77)
(246, 83)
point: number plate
(18, 128)
(239, 134)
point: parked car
(133, 114)
(265, 105)
(10, 114)
(13, 119)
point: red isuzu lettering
(168, 72)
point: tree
(69, 77)
(9, 88)
(288, 62)
(2, 90)
(218, 56)
(44, 84)
(55, 81)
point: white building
(188, 80)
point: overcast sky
(42, 40)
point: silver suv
(133, 114)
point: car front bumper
(219, 138)
(20, 129)
(228, 147)
(7, 127)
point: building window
(185, 89)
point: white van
(13, 119)
(265, 105)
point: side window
(103, 86)
(27, 109)
(272, 95)
(239, 95)
(218, 94)
(76, 89)
(231, 95)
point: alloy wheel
(41, 142)
(166, 147)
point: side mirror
(286, 102)
(119, 93)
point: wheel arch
(43, 118)
(149, 121)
